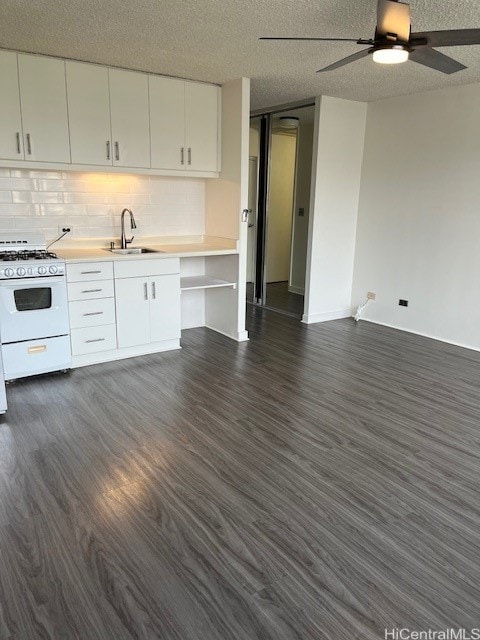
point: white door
(89, 113)
(11, 145)
(201, 122)
(44, 108)
(167, 123)
(130, 118)
(165, 307)
(132, 301)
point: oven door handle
(41, 281)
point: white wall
(337, 160)
(92, 203)
(280, 207)
(225, 198)
(419, 221)
(303, 180)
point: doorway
(279, 198)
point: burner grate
(28, 254)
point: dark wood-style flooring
(279, 298)
(318, 482)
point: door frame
(263, 196)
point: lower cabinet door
(165, 307)
(133, 311)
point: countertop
(202, 247)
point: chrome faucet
(123, 239)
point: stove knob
(53, 269)
(21, 271)
(42, 270)
(9, 273)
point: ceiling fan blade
(393, 18)
(449, 38)
(312, 39)
(435, 60)
(347, 60)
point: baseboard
(121, 354)
(420, 333)
(326, 316)
(242, 336)
(299, 290)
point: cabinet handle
(117, 151)
(189, 155)
(145, 291)
(84, 273)
(95, 340)
(108, 149)
(182, 155)
(37, 348)
(94, 313)
(154, 291)
(19, 150)
(29, 145)
(91, 290)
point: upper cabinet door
(89, 113)
(43, 99)
(201, 118)
(130, 118)
(11, 145)
(167, 123)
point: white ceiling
(217, 40)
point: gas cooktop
(27, 254)
(30, 250)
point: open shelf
(203, 282)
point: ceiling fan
(394, 42)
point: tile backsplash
(91, 203)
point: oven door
(33, 308)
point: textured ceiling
(217, 40)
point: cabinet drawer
(36, 356)
(141, 268)
(90, 290)
(93, 339)
(85, 271)
(92, 313)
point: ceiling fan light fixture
(391, 54)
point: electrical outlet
(371, 295)
(403, 303)
(65, 228)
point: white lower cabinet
(91, 303)
(148, 309)
(123, 308)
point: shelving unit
(189, 283)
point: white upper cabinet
(201, 121)
(89, 113)
(183, 125)
(167, 123)
(129, 108)
(11, 145)
(43, 100)
(66, 112)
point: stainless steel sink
(132, 251)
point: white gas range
(34, 326)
